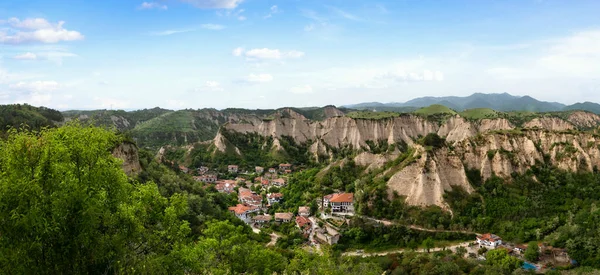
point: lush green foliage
(364, 233)
(372, 115)
(67, 207)
(545, 204)
(532, 252)
(434, 109)
(479, 113)
(499, 259)
(18, 115)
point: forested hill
(156, 127)
(18, 115)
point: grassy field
(479, 113)
(372, 115)
(434, 110)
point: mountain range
(500, 102)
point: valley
(370, 185)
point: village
(253, 208)
(321, 225)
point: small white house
(489, 240)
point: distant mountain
(500, 102)
(586, 106)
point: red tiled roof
(274, 195)
(302, 221)
(488, 237)
(285, 165)
(342, 197)
(279, 180)
(241, 209)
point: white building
(489, 240)
(342, 202)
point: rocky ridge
(491, 146)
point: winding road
(423, 250)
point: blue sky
(81, 54)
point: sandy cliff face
(549, 123)
(491, 146)
(425, 181)
(584, 119)
(338, 131)
(129, 154)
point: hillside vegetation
(17, 115)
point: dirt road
(359, 254)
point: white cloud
(33, 30)
(242, 18)
(26, 56)
(53, 56)
(170, 32)
(309, 27)
(213, 4)
(30, 23)
(273, 10)
(35, 86)
(575, 55)
(306, 89)
(258, 78)
(238, 51)
(213, 27)
(209, 86)
(152, 5)
(264, 54)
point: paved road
(416, 227)
(357, 254)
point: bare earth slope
(491, 146)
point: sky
(176, 54)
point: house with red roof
(285, 166)
(248, 197)
(232, 169)
(242, 211)
(304, 224)
(225, 186)
(278, 182)
(342, 202)
(274, 197)
(489, 239)
(259, 170)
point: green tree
(499, 258)
(66, 206)
(532, 252)
(461, 251)
(428, 244)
